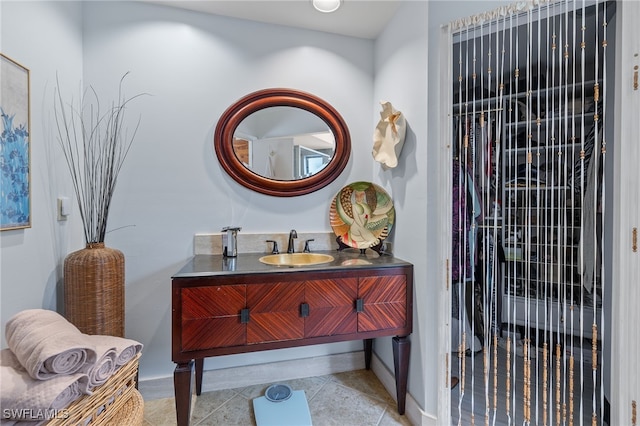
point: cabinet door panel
(385, 302)
(213, 333)
(213, 301)
(331, 307)
(275, 327)
(211, 316)
(274, 312)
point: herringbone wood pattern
(384, 303)
(210, 316)
(331, 307)
(275, 312)
(213, 333)
(214, 301)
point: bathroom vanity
(223, 306)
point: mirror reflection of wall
(309, 161)
(274, 158)
(284, 143)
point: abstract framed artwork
(15, 145)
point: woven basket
(131, 413)
(110, 403)
(94, 290)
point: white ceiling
(356, 18)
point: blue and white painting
(15, 192)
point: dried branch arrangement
(95, 145)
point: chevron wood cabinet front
(384, 302)
(331, 307)
(274, 312)
(213, 308)
(238, 313)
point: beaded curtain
(529, 153)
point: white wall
(46, 38)
(193, 66)
(400, 78)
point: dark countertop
(249, 263)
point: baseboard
(237, 377)
(414, 413)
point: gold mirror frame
(233, 116)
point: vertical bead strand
(508, 384)
(545, 382)
(571, 373)
(558, 355)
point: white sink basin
(296, 259)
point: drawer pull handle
(359, 305)
(244, 316)
(304, 310)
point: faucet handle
(275, 246)
(306, 245)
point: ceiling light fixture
(327, 6)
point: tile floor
(353, 398)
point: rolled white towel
(105, 365)
(46, 344)
(25, 398)
(126, 349)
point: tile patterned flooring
(353, 398)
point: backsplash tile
(256, 243)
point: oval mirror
(282, 142)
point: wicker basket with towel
(52, 371)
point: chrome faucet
(293, 234)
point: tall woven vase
(94, 290)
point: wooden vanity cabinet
(238, 313)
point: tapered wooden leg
(182, 390)
(199, 371)
(401, 351)
(368, 347)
